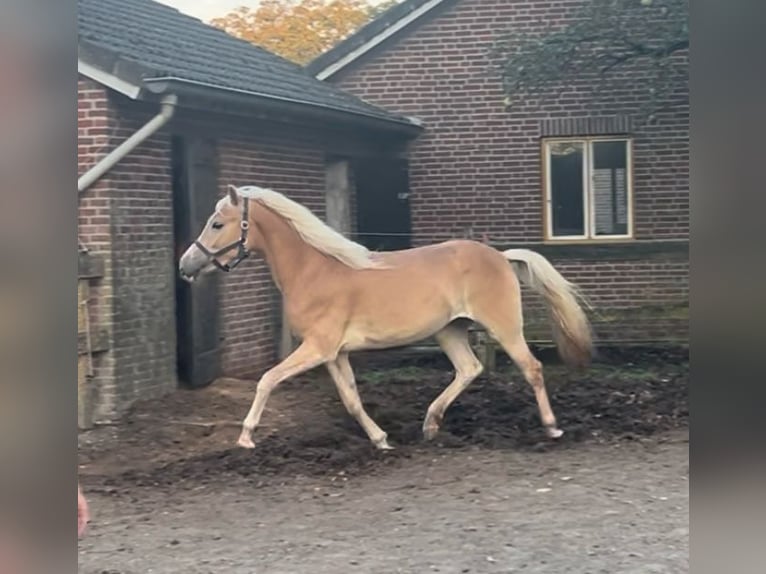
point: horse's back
(451, 273)
(452, 250)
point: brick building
(574, 175)
(198, 110)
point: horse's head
(225, 241)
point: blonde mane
(312, 230)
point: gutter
(297, 106)
(167, 108)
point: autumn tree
(299, 30)
(603, 38)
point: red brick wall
(633, 300)
(250, 305)
(289, 159)
(143, 261)
(94, 229)
(477, 167)
(93, 125)
(478, 164)
(127, 219)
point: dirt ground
(171, 493)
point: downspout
(167, 108)
(168, 104)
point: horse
(339, 297)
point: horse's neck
(289, 257)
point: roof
(389, 23)
(155, 47)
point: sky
(207, 9)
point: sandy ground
(170, 494)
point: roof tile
(171, 44)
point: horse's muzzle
(191, 263)
(188, 278)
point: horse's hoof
(245, 442)
(430, 432)
(382, 444)
(554, 432)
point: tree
(299, 30)
(603, 38)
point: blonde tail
(571, 329)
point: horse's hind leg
(502, 317)
(453, 340)
(343, 376)
(533, 373)
(511, 338)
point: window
(588, 188)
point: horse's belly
(358, 341)
(386, 328)
(401, 309)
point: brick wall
(477, 168)
(127, 219)
(250, 306)
(291, 159)
(632, 300)
(94, 230)
(143, 262)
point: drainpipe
(91, 176)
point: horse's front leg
(305, 357)
(343, 376)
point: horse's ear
(233, 197)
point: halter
(239, 244)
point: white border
(108, 80)
(549, 198)
(588, 215)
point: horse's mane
(311, 229)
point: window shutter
(610, 187)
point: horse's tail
(571, 329)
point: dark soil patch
(625, 396)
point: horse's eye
(217, 225)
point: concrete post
(338, 196)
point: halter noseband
(239, 244)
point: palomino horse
(339, 298)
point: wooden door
(383, 204)
(195, 184)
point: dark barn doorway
(383, 204)
(195, 181)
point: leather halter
(240, 244)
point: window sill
(612, 250)
(600, 241)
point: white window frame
(589, 211)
